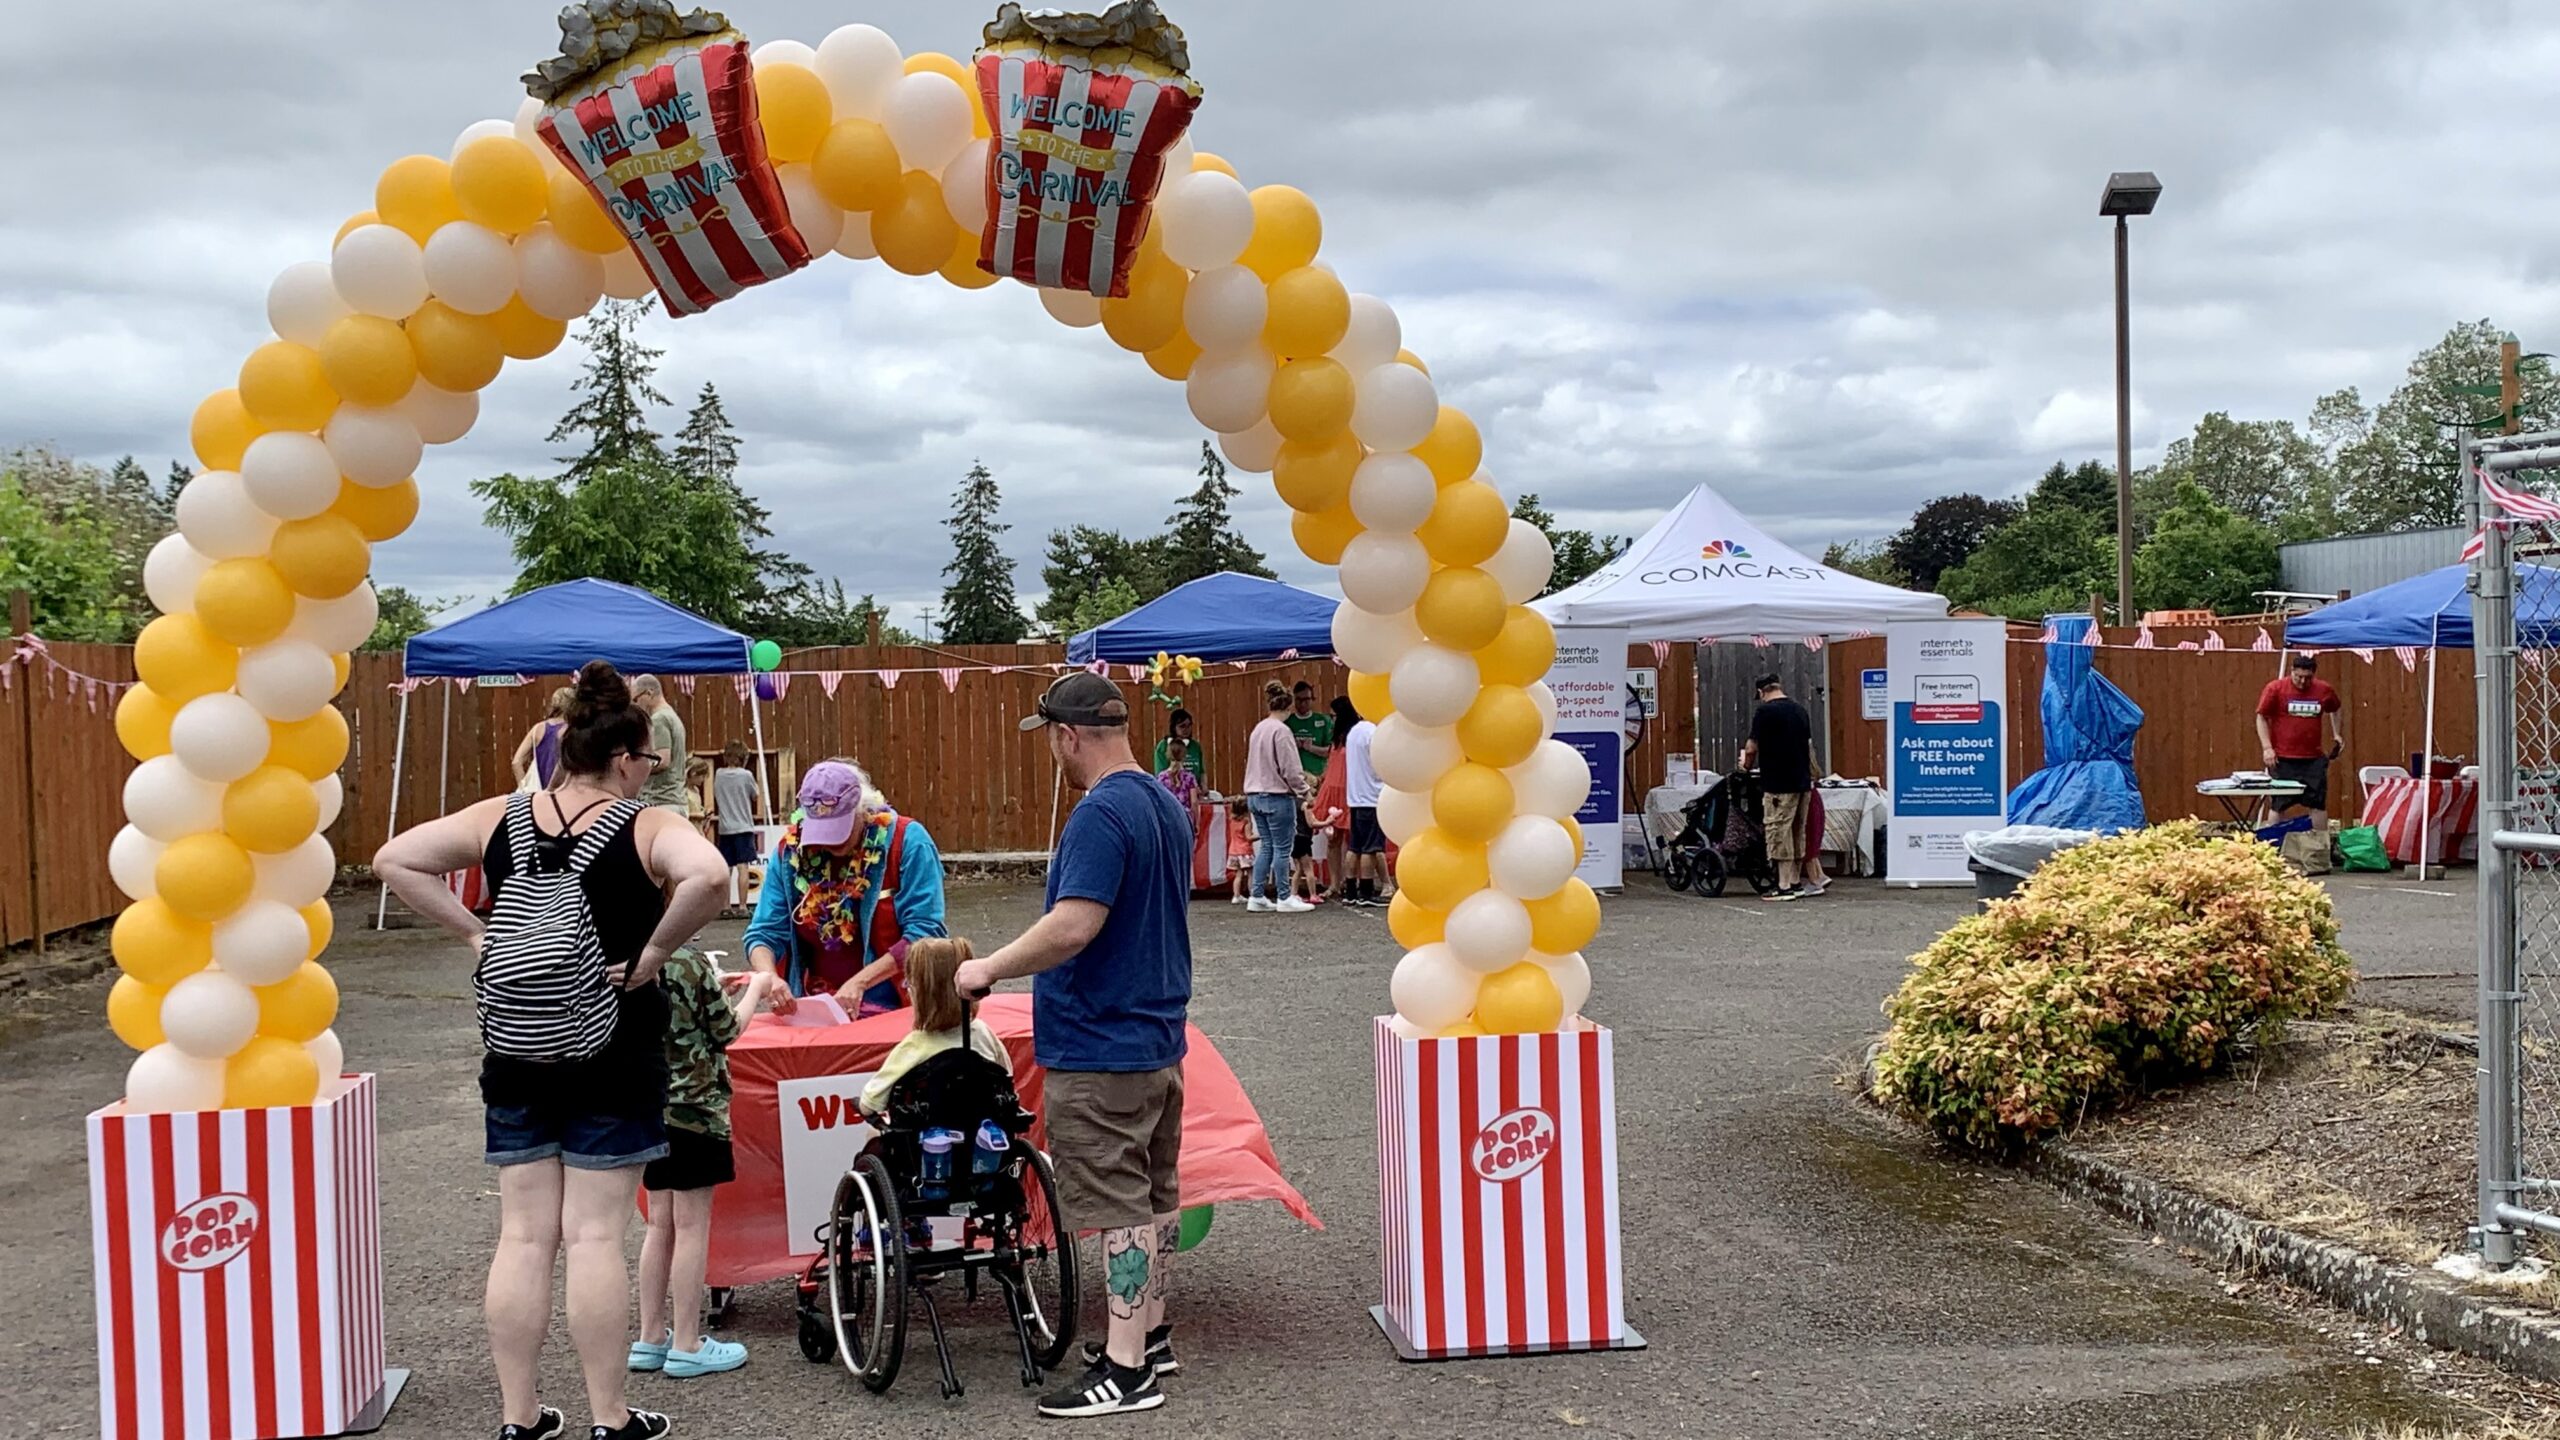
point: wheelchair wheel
(867, 1274)
(1047, 1271)
(817, 1340)
(1708, 881)
(1678, 868)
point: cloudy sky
(1834, 256)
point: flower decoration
(1175, 669)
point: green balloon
(1195, 1226)
(766, 655)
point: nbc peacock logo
(1723, 550)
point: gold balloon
(1520, 654)
(1369, 695)
(270, 1071)
(1323, 535)
(1440, 870)
(221, 431)
(270, 810)
(355, 222)
(323, 557)
(857, 166)
(456, 352)
(1502, 727)
(1453, 449)
(1203, 160)
(1315, 475)
(525, 335)
(580, 220)
(142, 722)
(416, 195)
(1309, 314)
(179, 657)
(244, 602)
(1413, 924)
(1286, 232)
(1461, 608)
(499, 183)
(315, 745)
(283, 387)
(1311, 399)
(1173, 359)
(1407, 357)
(367, 359)
(317, 918)
(1150, 315)
(299, 1006)
(158, 946)
(1519, 1000)
(133, 1012)
(792, 102)
(914, 234)
(1468, 524)
(1472, 802)
(1564, 922)
(379, 512)
(204, 876)
(963, 269)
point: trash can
(2001, 860)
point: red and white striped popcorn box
(239, 1270)
(1498, 1194)
(1079, 151)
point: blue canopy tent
(2087, 782)
(553, 631)
(1216, 617)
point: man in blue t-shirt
(1113, 957)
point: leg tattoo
(1126, 1271)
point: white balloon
(1207, 219)
(209, 1014)
(1370, 642)
(1572, 975)
(170, 573)
(166, 801)
(1545, 699)
(1385, 573)
(1253, 451)
(479, 130)
(298, 876)
(527, 127)
(854, 241)
(262, 942)
(1224, 310)
(380, 271)
(331, 792)
(560, 281)
(1433, 685)
(330, 1056)
(625, 278)
(1079, 309)
(1488, 931)
(1179, 160)
(1532, 857)
(165, 1079)
(376, 447)
(1553, 781)
(335, 625)
(219, 737)
(220, 522)
(303, 303)
(1405, 1029)
(439, 416)
(1231, 392)
(1374, 337)
(1432, 989)
(859, 64)
(783, 52)
(927, 116)
(1411, 756)
(1404, 814)
(1395, 407)
(964, 186)
(471, 268)
(1392, 493)
(1524, 562)
(287, 679)
(289, 474)
(818, 221)
(132, 857)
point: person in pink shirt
(1275, 785)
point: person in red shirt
(2290, 715)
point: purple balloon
(765, 690)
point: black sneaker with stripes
(1159, 1356)
(1104, 1389)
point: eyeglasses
(652, 756)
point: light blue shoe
(714, 1357)
(645, 1356)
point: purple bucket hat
(830, 803)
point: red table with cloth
(2400, 806)
(1226, 1156)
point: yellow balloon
(1453, 449)
(963, 269)
(914, 234)
(317, 918)
(1173, 359)
(283, 387)
(133, 1012)
(158, 946)
(1150, 315)
(338, 665)
(792, 102)
(270, 810)
(270, 1071)
(1519, 655)
(315, 745)
(1468, 524)
(367, 359)
(179, 656)
(499, 183)
(1472, 802)
(1286, 232)
(1466, 1029)
(204, 876)
(1415, 925)
(524, 335)
(323, 557)
(935, 62)
(1573, 830)
(221, 431)
(1519, 1000)
(1461, 608)
(1323, 535)
(580, 219)
(1369, 695)
(300, 1006)
(244, 602)
(416, 195)
(379, 512)
(456, 352)
(1407, 357)
(1501, 727)
(857, 166)
(1439, 869)
(1203, 160)
(1565, 921)
(1311, 399)
(355, 222)
(142, 722)
(1309, 313)
(1315, 475)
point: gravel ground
(1800, 1269)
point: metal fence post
(2493, 650)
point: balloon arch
(719, 168)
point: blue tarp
(1216, 617)
(556, 629)
(2429, 609)
(2087, 781)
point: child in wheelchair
(942, 1021)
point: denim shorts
(576, 1137)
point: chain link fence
(2533, 671)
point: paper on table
(812, 1013)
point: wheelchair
(853, 1299)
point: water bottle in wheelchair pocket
(934, 1173)
(986, 1157)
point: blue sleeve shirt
(1122, 1002)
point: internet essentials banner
(1949, 756)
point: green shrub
(2136, 957)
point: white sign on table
(822, 1130)
(1589, 679)
(1949, 743)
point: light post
(2128, 193)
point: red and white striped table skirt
(239, 1269)
(1498, 1181)
(2402, 806)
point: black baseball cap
(1082, 698)
(1766, 682)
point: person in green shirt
(1181, 748)
(1313, 728)
(665, 785)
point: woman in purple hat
(852, 883)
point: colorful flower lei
(832, 886)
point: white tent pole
(2427, 764)
(399, 752)
(764, 787)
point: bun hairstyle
(1275, 695)
(603, 723)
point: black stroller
(1722, 839)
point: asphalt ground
(1799, 1267)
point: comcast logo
(1723, 550)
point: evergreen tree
(707, 450)
(179, 474)
(610, 414)
(978, 606)
(2202, 555)
(820, 614)
(1200, 537)
(1082, 561)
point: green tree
(1084, 559)
(2395, 464)
(978, 607)
(2088, 487)
(180, 472)
(1579, 553)
(611, 415)
(62, 550)
(707, 449)
(641, 522)
(819, 614)
(2201, 555)
(2265, 471)
(1200, 537)
(402, 615)
(1944, 534)
(1114, 598)
(2046, 561)
(1867, 559)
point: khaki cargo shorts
(1115, 1140)
(1782, 820)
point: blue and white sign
(1873, 703)
(1948, 759)
(1589, 679)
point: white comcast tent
(1703, 572)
